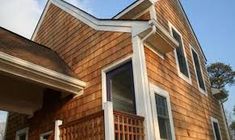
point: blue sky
(212, 20)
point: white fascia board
(39, 74)
(41, 20)
(119, 15)
(97, 24)
(128, 9)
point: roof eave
(35, 73)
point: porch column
(58, 123)
(108, 121)
(143, 105)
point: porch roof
(20, 47)
(31, 61)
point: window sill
(185, 78)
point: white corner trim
(181, 75)
(36, 73)
(157, 90)
(224, 119)
(200, 89)
(107, 69)
(143, 106)
(22, 131)
(214, 120)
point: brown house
(138, 76)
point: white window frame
(214, 120)
(203, 76)
(181, 75)
(22, 131)
(157, 90)
(104, 72)
(44, 134)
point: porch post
(58, 123)
(108, 121)
(143, 105)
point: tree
(220, 75)
(232, 126)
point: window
(163, 122)
(120, 88)
(181, 59)
(198, 70)
(163, 117)
(46, 136)
(216, 128)
(22, 134)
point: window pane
(22, 137)
(180, 54)
(216, 129)
(163, 117)
(198, 70)
(120, 88)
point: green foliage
(221, 75)
(232, 126)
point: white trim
(128, 9)
(224, 119)
(141, 86)
(28, 70)
(41, 20)
(109, 121)
(157, 90)
(141, 14)
(111, 67)
(181, 75)
(44, 134)
(22, 131)
(216, 121)
(200, 89)
(58, 123)
(153, 13)
(191, 28)
(97, 24)
(154, 51)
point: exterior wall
(191, 109)
(86, 51)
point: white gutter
(39, 74)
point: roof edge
(191, 28)
(39, 74)
(93, 22)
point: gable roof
(113, 24)
(191, 28)
(90, 20)
(135, 4)
(25, 49)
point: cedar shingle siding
(87, 52)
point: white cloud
(20, 16)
